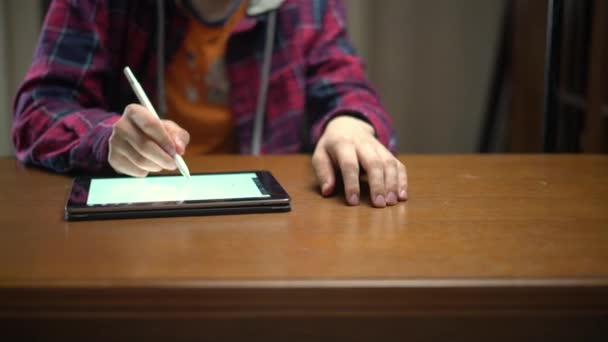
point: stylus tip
(181, 165)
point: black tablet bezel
(278, 198)
(133, 214)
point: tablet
(175, 195)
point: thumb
(180, 136)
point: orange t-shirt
(197, 88)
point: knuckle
(390, 162)
(349, 167)
(315, 157)
(137, 141)
(369, 144)
(375, 166)
(185, 136)
(119, 128)
(341, 141)
(130, 109)
(317, 160)
(170, 123)
(351, 188)
(348, 139)
(146, 123)
(377, 184)
(147, 147)
(138, 159)
(170, 126)
(391, 184)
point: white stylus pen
(141, 95)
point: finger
(372, 163)
(122, 164)
(324, 170)
(346, 157)
(391, 177)
(122, 147)
(151, 126)
(180, 136)
(139, 160)
(403, 182)
(144, 146)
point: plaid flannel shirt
(75, 91)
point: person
(259, 76)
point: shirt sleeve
(336, 82)
(58, 121)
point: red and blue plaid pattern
(74, 91)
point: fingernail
(380, 202)
(403, 194)
(391, 198)
(183, 142)
(325, 189)
(354, 199)
(179, 145)
(170, 149)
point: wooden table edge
(308, 298)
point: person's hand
(347, 143)
(141, 143)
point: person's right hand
(141, 143)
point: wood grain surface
(480, 235)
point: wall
(431, 61)
(4, 81)
(19, 27)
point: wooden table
(487, 248)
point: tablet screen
(105, 191)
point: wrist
(352, 121)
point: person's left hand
(347, 143)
